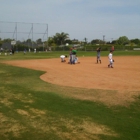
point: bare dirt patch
(124, 77)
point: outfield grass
(46, 55)
(31, 109)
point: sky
(90, 19)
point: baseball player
(98, 54)
(63, 58)
(73, 56)
(110, 57)
(70, 56)
(112, 49)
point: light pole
(103, 39)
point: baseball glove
(113, 60)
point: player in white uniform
(110, 57)
(63, 58)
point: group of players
(73, 59)
(110, 56)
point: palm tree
(61, 37)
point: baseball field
(43, 98)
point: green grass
(31, 109)
(46, 55)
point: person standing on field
(110, 57)
(70, 56)
(73, 56)
(98, 54)
(112, 49)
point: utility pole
(111, 40)
(47, 35)
(104, 39)
(32, 35)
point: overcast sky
(81, 19)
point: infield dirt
(124, 77)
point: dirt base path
(124, 76)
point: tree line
(61, 41)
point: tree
(114, 42)
(135, 41)
(1, 42)
(56, 40)
(60, 38)
(7, 40)
(96, 41)
(50, 41)
(28, 40)
(39, 41)
(123, 40)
